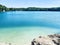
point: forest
(4, 8)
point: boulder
(47, 40)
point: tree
(2, 7)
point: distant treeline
(4, 8)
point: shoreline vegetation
(4, 8)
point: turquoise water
(21, 27)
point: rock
(32, 43)
(47, 40)
(55, 35)
(5, 43)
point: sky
(30, 3)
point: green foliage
(2, 8)
(34, 9)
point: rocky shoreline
(41, 40)
(47, 40)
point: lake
(21, 27)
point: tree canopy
(2, 8)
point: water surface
(21, 27)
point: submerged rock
(5, 43)
(47, 40)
